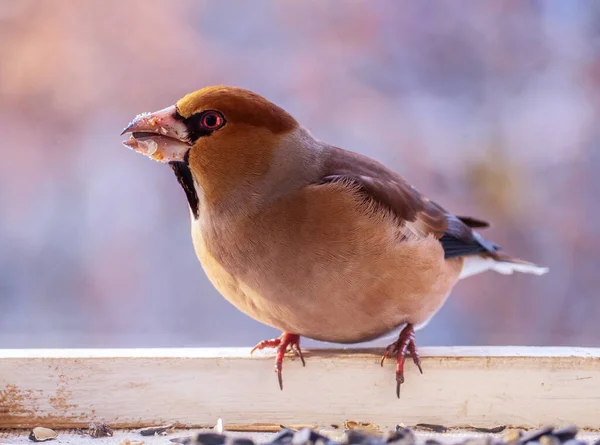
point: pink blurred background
(490, 109)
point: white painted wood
(243, 353)
(483, 387)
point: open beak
(161, 135)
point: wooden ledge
(461, 386)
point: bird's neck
(244, 188)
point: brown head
(220, 137)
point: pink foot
(283, 343)
(405, 345)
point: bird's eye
(211, 120)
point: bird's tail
(498, 262)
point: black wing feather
(460, 240)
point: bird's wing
(474, 223)
(388, 189)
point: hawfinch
(305, 237)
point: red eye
(211, 120)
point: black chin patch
(184, 176)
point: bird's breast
(225, 278)
(321, 265)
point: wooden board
(483, 387)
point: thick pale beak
(161, 135)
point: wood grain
(482, 387)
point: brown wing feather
(393, 192)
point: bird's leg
(284, 342)
(405, 345)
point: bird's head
(220, 137)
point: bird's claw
(405, 345)
(298, 352)
(283, 343)
(274, 342)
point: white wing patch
(476, 264)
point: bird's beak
(161, 135)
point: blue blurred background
(490, 108)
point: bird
(311, 239)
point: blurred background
(491, 109)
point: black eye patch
(195, 129)
(194, 126)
